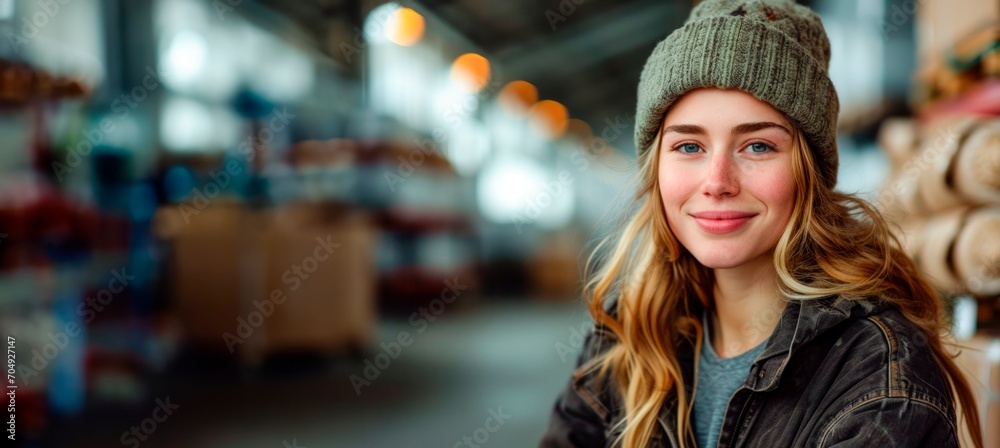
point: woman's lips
(722, 222)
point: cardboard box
(333, 306)
(300, 277)
(205, 269)
(555, 269)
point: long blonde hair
(834, 243)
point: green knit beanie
(775, 50)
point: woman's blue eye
(689, 148)
(759, 148)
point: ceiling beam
(594, 40)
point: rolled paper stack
(944, 193)
(961, 172)
(898, 138)
(950, 165)
(977, 167)
(958, 250)
(976, 255)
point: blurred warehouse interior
(255, 208)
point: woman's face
(725, 176)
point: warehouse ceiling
(587, 56)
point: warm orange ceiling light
(517, 96)
(549, 118)
(471, 72)
(405, 27)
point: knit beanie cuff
(728, 52)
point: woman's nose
(721, 176)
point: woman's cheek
(676, 187)
(778, 187)
(674, 195)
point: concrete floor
(442, 387)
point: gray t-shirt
(718, 380)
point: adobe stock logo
(294, 276)
(549, 194)
(49, 9)
(421, 320)
(141, 433)
(577, 336)
(898, 17)
(87, 311)
(566, 8)
(372, 31)
(481, 435)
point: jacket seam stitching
(578, 378)
(892, 373)
(591, 401)
(841, 415)
(931, 400)
(844, 413)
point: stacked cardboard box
(252, 282)
(555, 269)
(333, 307)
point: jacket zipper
(739, 420)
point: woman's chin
(720, 262)
(723, 258)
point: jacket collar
(801, 321)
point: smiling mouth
(722, 224)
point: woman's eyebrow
(744, 128)
(685, 129)
(747, 128)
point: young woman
(746, 303)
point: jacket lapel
(801, 321)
